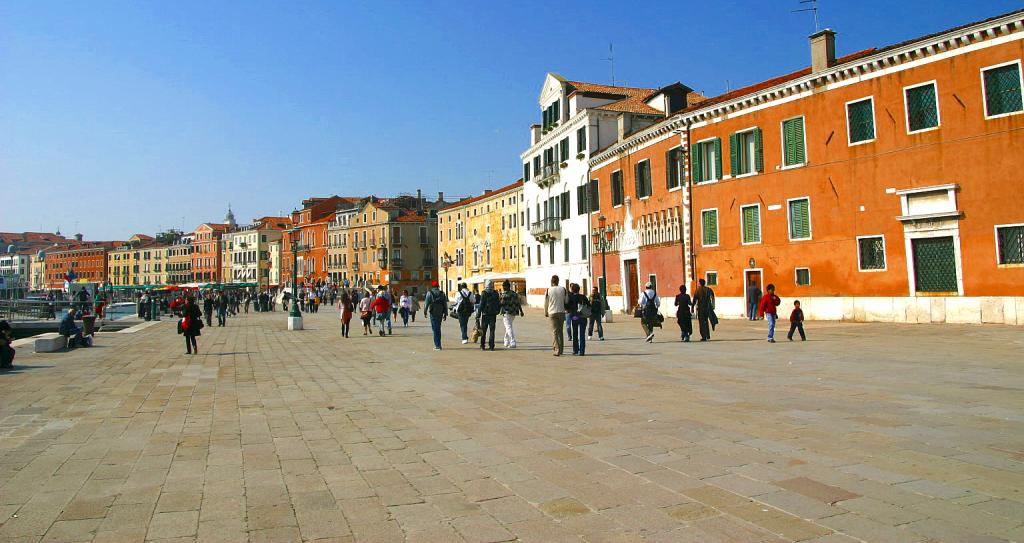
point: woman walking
(366, 313)
(578, 307)
(191, 324)
(345, 305)
(683, 313)
(405, 307)
(415, 307)
(511, 308)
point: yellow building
(479, 239)
(141, 261)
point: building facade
(88, 261)
(866, 186)
(480, 238)
(179, 261)
(309, 228)
(577, 119)
(249, 255)
(15, 269)
(207, 252)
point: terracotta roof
(631, 99)
(411, 216)
(490, 194)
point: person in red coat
(381, 309)
(769, 307)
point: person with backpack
(487, 315)
(597, 308)
(579, 312)
(511, 308)
(464, 310)
(769, 308)
(649, 304)
(436, 308)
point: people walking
(464, 310)
(487, 315)
(511, 308)
(382, 310)
(753, 300)
(345, 307)
(415, 307)
(405, 307)
(684, 307)
(386, 293)
(554, 309)
(598, 305)
(796, 322)
(208, 308)
(649, 316)
(769, 307)
(436, 308)
(704, 305)
(222, 309)
(366, 313)
(191, 324)
(578, 313)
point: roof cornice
(562, 129)
(886, 58)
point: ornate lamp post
(602, 237)
(446, 262)
(294, 315)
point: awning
(497, 277)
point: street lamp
(446, 262)
(602, 237)
(294, 315)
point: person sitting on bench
(70, 330)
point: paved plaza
(866, 432)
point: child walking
(769, 308)
(796, 322)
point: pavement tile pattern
(867, 432)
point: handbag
(364, 314)
(586, 312)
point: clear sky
(118, 118)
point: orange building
(88, 261)
(870, 187)
(206, 252)
(309, 226)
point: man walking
(649, 304)
(511, 308)
(597, 307)
(208, 308)
(554, 310)
(753, 300)
(436, 307)
(487, 314)
(464, 310)
(704, 302)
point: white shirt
(554, 300)
(649, 294)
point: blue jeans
(435, 326)
(771, 324)
(579, 340)
(464, 327)
(752, 310)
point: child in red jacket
(381, 308)
(796, 322)
(769, 308)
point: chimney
(485, 192)
(625, 125)
(78, 237)
(534, 134)
(440, 196)
(823, 50)
(419, 200)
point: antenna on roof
(813, 9)
(611, 61)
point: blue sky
(118, 118)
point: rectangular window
(526, 171)
(803, 277)
(581, 200)
(653, 280)
(551, 252)
(563, 150)
(643, 179)
(674, 168)
(799, 219)
(1011, 244)
(536, 165)
(565, 205)
(745, 153)
(860, 120)
(922, 107)
(595, 196)
(706, 160)
(584, 249)
(581, 140)
(751, 223)
(711, 278)
(565, 249)
(1002, 86)
(871, 253)
(617, 196)
(794, 146)
(709, 227)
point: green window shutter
(696, 167)
(709, 233)
(637, 181)
(793, 144)
(751, 225)
(718, 158)
(758, 151)
(922, 108)
(734, 155)
(1002, 90)
(799, 219)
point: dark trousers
(793, 327)
(190, 344)
(222, 317)
(487, 331)
(704, 325)
(405, 316)
(685, 326)
(209, 317)
(590, 326)
(579, 341)
(464, 326)
(435, 327)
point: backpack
(466, 305)
(438, 303)
(490, 303)
(649, 309)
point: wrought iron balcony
(547, 229)
(549, 175)
(395, 264)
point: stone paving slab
(867, 432)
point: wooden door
(630, 292)
(755, 276)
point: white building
(14, 269)
(577, 119)
(250, 258)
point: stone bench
(51, 342)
